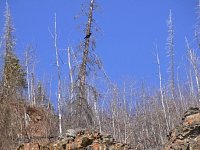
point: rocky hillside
(186, 136)
(27, 122)
(78, 140)
(36, 121)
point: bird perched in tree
(88, 36)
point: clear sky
(125, 43)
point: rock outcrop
(78, 140)
(36, 121)
(187, 135)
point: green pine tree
(13, 74)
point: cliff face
(186, 136)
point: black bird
(88, 36)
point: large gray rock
(71, 133)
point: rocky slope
(34, 121)
(78, 140)
(21, 122)
(186, 136)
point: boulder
(71, 133)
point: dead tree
(59, 78)
(161, 91)
(193, 59)
(197, 25)
(85, 112)
(170, 50)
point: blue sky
(125, 43)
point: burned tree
(170, 51)
(84, 111)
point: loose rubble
(78, 140)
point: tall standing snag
(193, 59)
(59, 78)
(83, 103)
(161, 91)
(170, 47)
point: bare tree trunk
(59, 78)
(159, 128)
(180, 93)
(125, 115)
(27, 77)
(84, 106)
(194, 60)
(161, 92)
(82, 73)
(170, 43)
(191, 83)
(113, 107)
(70, 74)
(33, 100)
(71, 79)
(197, 25)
